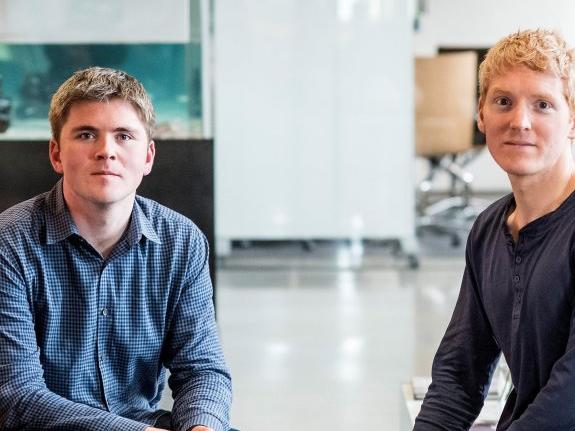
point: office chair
(445, 105)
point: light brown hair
(100, 84)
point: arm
(25, 401)
(200, 381)
(462, 367)
(198, 428)
(552, 407)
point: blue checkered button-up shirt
(85, 340)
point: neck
(540, 195)
(101, 226)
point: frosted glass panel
(314, 119)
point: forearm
(204, 401)
(548, 413)
(462, 367)
(25, 400)
(552, 408)
(450, 405)
(200, 380)
(32, 406)
(27, 403)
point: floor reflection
(315, 340)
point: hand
(155, 429)
(201, 428)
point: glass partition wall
(162, 49)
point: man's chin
(106, 200)
(520, 168)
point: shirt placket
(518, 281)
(103, 335)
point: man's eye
(503, 101)
(124, 137)
(86, 135)
(543, 105)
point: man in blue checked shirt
(102, 290)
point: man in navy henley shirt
(518, 291)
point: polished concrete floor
(322, 339)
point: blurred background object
(5, 107)
(445, 106)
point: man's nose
(521, 117)
(106, 148)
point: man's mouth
(520, 143)
(106, 173)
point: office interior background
(319, 145)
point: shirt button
(518, 259)
(104, 312)
(516, 278)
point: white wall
(472, 23)
(98, 21)
(482, 23)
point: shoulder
(496, 209)
(488, 230)
(493, 216)
(167, 223)
(23, 219)
(179, 238)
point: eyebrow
(499, 90)
(538, 95)
(541, 94)
(127, 130)
(84, 128)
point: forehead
(102, 114)
(523, 79)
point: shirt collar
(60, 225)
(543, 223)
(140, 225)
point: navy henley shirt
(516, 298)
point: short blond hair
(539, 50)
(100, 84)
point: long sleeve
(25, 401)
(200, 380)
(463, 365)
(552, 408)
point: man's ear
(150, 154)
(480, 124)
(54, 153)
(572, 127)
